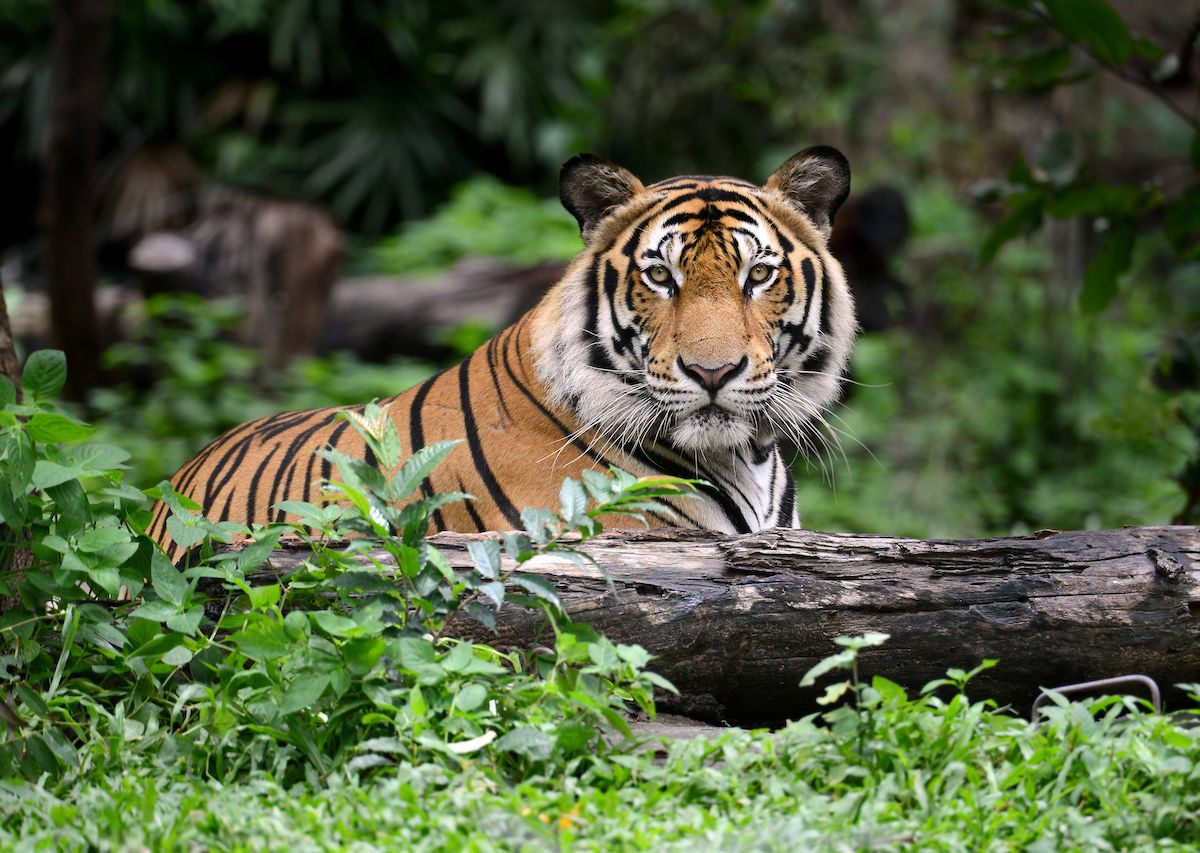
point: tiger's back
(704, 321)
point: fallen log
(736, 621)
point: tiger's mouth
(712, 427)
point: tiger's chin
(712, 428)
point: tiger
(703, 325)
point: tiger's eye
(659, 274)
(759, 273)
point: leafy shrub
(482, 217)
(343, 663)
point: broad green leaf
(101, 538)
(494, 591)
(263, 639)
(51, 428)
(185, 535)
(459, 657)
(1096, 24)
(8, 392)
(1181, 220)
(99, 458)
(178, 656)
(1113, 259)
(1096, 198)
(362, 653)
(264, 597)
(45, 373)
(1040, 69)
(528, 741)
(106, 578)
(839, 660)
(47, 474)
(334, 623)
(256, 552)
(304, 691)
(71, 500)
(156, 611)
(485, 554)
(573, 498)
(470, 697)
(539, 587)
(187, 622)
(168, 582)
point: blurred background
(224, 208)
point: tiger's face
(706, 313)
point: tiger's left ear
(589, 187)
(817, 180)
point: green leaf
(1096, 198)
(470, 697)
(177, 656)
(8, 392)
(304, 691)
(263, 639)
(459, 657)
(573, 498)
(168, 582)
(528, 741)
(47, 474)
(71, 500)
(51, 428)
(185, 535)
(418, 466)
(101, 538)
(539, 587)
(256, 552)
(187, 622)
(99, 458)
(1040, 69)
(1181, 219)
(362, 653)
(1113, 259)
(264, 597)
(485, 554)
(335, 624)
(45, 373)
(1096, 24)
(1024, 214)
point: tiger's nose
(712, 379)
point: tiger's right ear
(589, 187)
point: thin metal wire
(1116, 681)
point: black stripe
(787, 504)
(478, 457)
(476, 520)
(252, 491)
(492, 345)
(416, 438)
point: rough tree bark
(736, 621)
(77, 82)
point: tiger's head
(704, 312)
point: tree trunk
(77, 84)
(14, 556)
(736, 621)
(9, 365)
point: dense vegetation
(1042, 370)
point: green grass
(904, 775)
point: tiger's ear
(817, 180)
(589, 187)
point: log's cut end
(736, 621)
